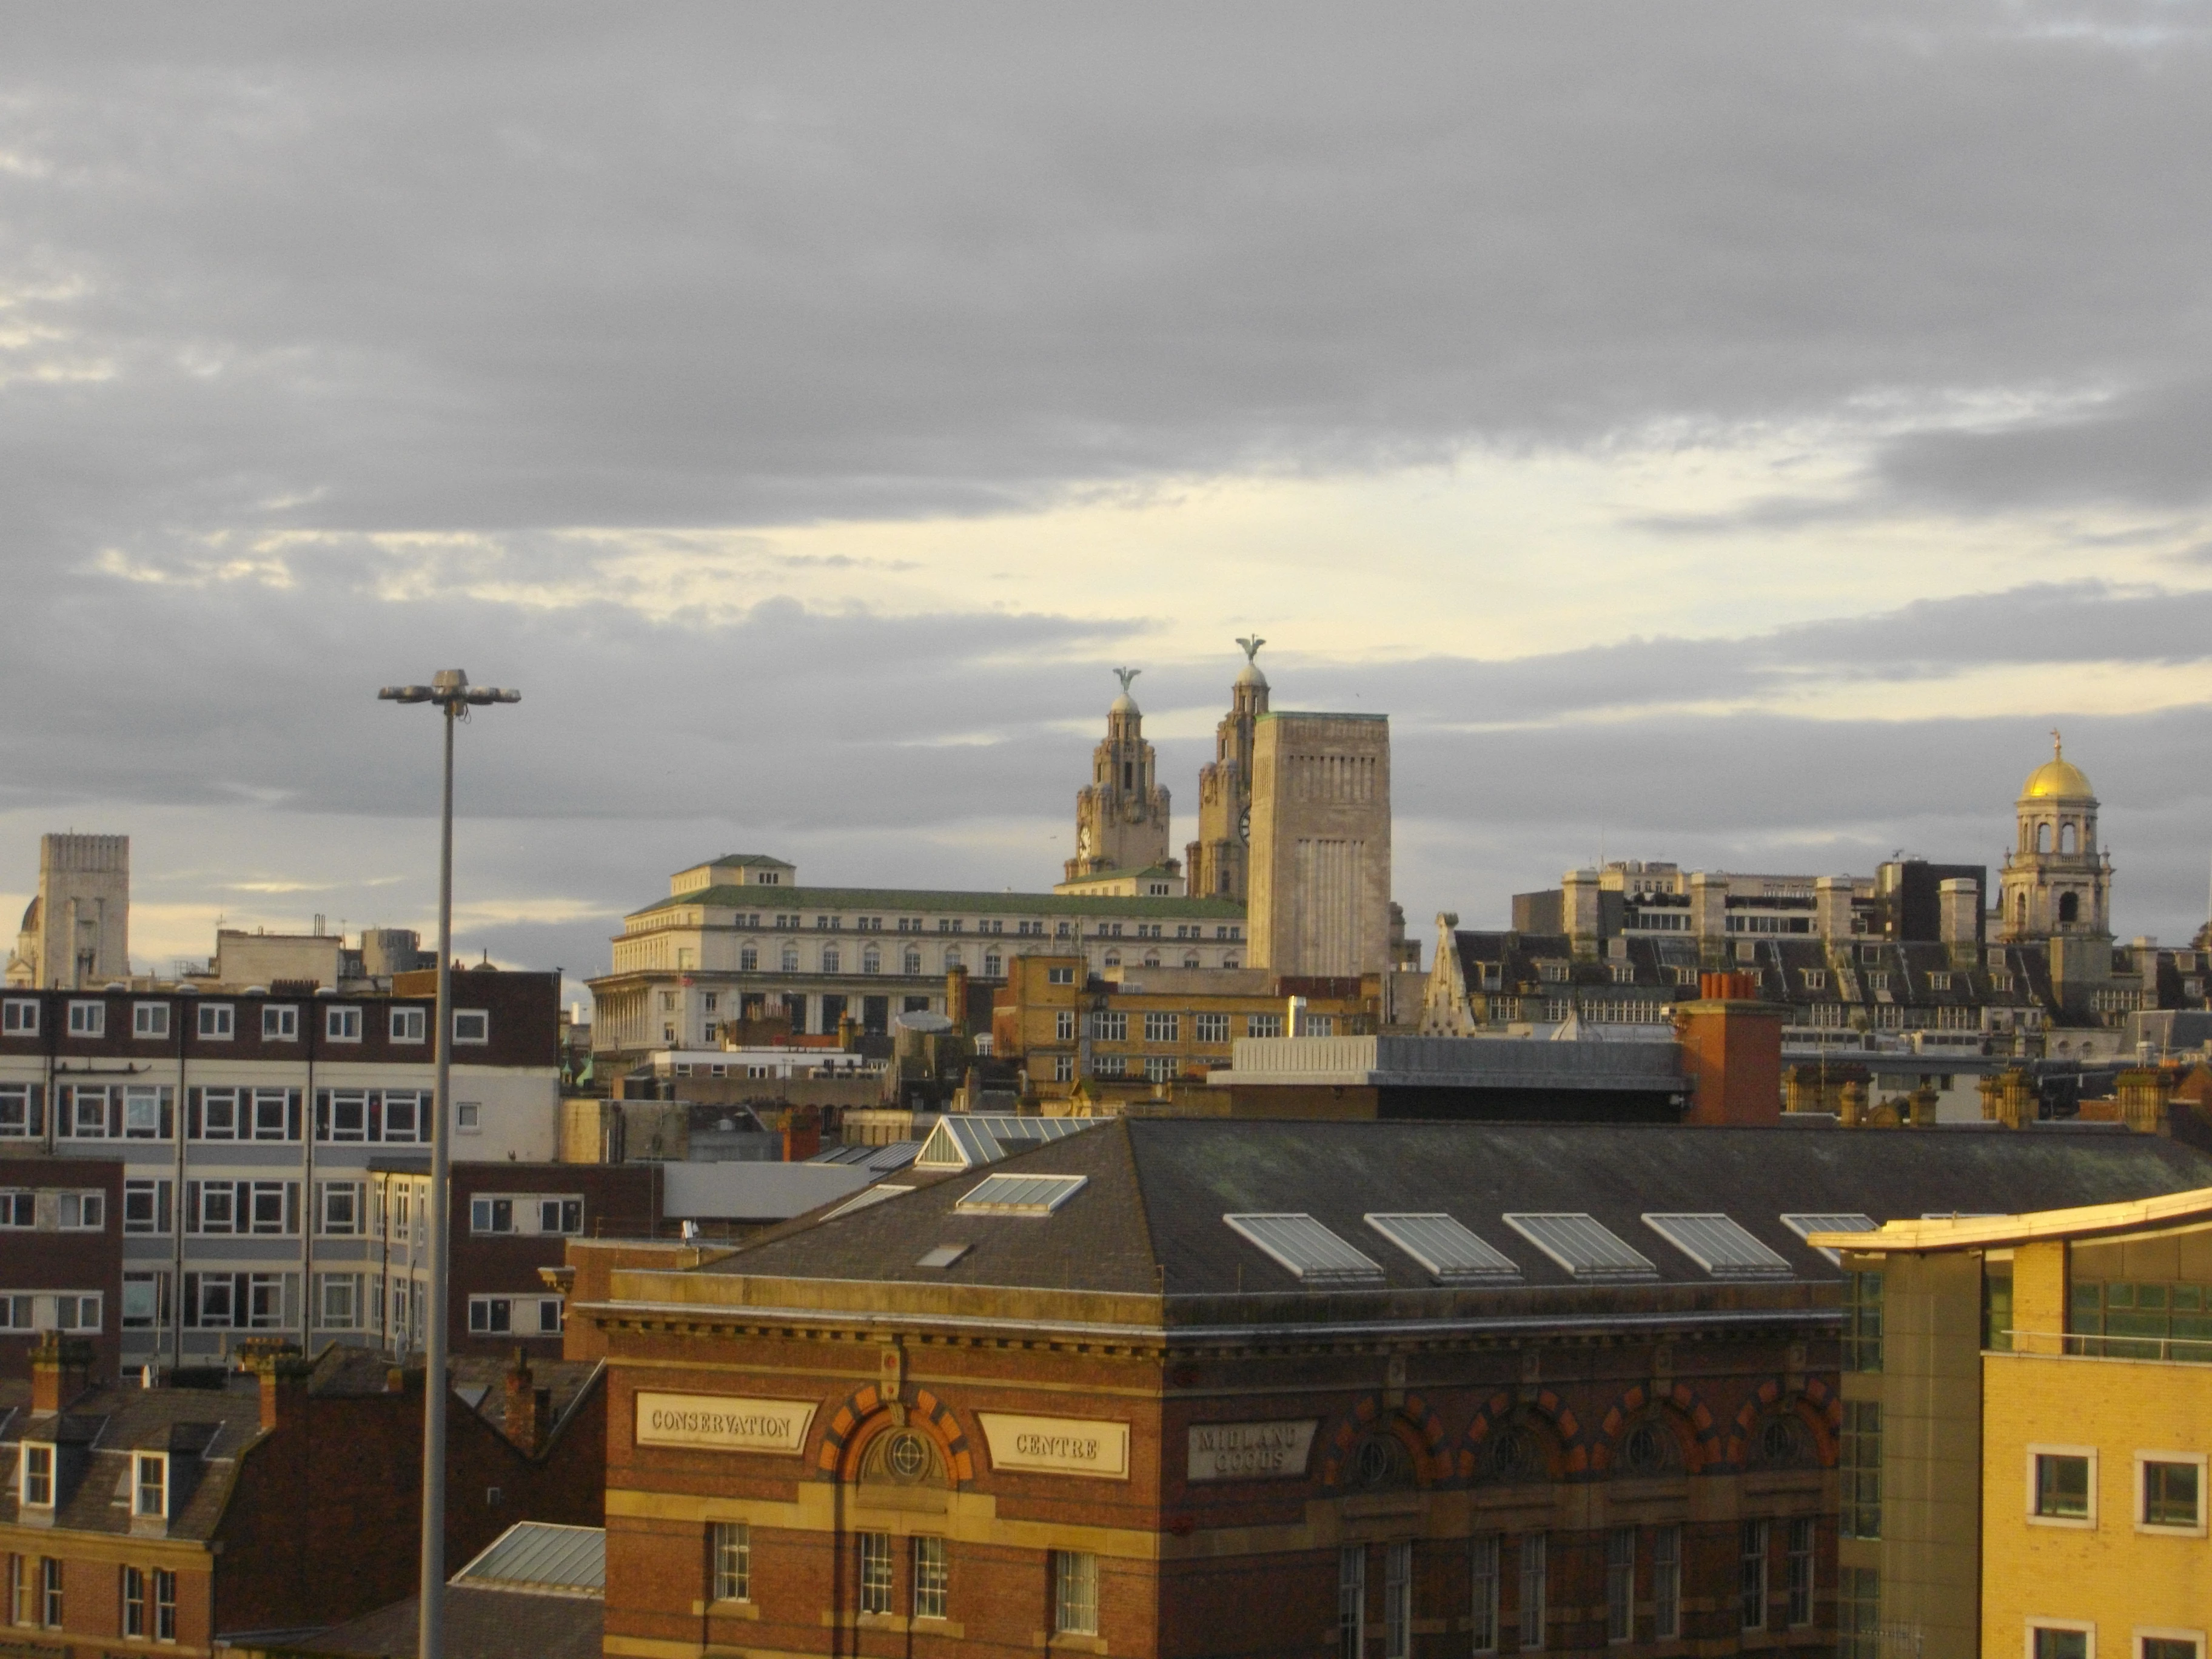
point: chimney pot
(61, 1371)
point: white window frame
(351, 1284)
(88, 1019)
(468, 1117)
(98, 1198)
(2136, 1499)
(2142, 1633)
(1076, 1614)
(342, 1023)
(24, 1475)
(2075, 1524)
(2032, 1623)
(327, 1190)
(474, 1035)
(158, 1462)
(731, 1546)
(280, 1022)
(19, 1016)
(410, 1026)
(150, 1021)
(217, 1022)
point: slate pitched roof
(1149, 1213)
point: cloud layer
(1836, 375)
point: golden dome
(2058, 779)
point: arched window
(829, 959)
(1228, 962)
(748, 959)
(2043, 838)
(872, 961)
(791, 958)
(2066, 836)
(1113, 958)
(952, 958)
(1190, 960)
(2069, 908)
(913, 962)
(994, 965)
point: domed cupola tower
(1121, 816)
(2056, 881)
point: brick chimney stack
(526, 1405)
(284, 1374)
(1731, 1045)
(802, 1134)
(61, 1371)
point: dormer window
(150, 1487)
(37, 1475)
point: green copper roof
(893, 900)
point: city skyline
(807, 456)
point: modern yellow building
(2027, 1408)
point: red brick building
(61, 1257)
(1198, 1387)
(285, 1498)
(509, 1220)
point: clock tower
(1219, 860)
(1121, 816)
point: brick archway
(1816, 1405)
(1552, 1417)
(1414, 1425)
(1688, 1417)
(866, 1414)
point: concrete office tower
(1217, 864)
(1320, 901)
(1121, 816)
(77, 931)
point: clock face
(1244, 826)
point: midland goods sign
(1058, 1445)
(1250, 1452)
(719, 1422)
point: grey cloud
(703, 265)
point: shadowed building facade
(1385, 1391)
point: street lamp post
(449, 689)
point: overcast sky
(1728, 434)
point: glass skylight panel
(864, 1197)
(1841, 1222)
(1019, 1195)
(1312, 1252)
(943, 1256)
(1580, 1245)
(1450, 1253)
(1719, 1245)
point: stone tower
(1218, 862)
(2057, 884)
(76, 933)
(1122, 816)
(1320, 901)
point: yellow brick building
(2028, 1415)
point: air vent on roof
(1310, 1251)
(943, 1256)
(1447, 1250)
(1842, 1222)
(1580, 1245)
(1019, 1195)
(1719, 1245)
(864, 1198)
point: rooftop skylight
(1719, 1245)
(1019, 1195)
(1841, 1222)
(1310, 1251)
(1450, 1253)
(1579, 1244)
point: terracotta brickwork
(1235, 1566)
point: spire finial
(2057, 746)
(1125, 675)
(1251, 644)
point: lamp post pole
(449, 689)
